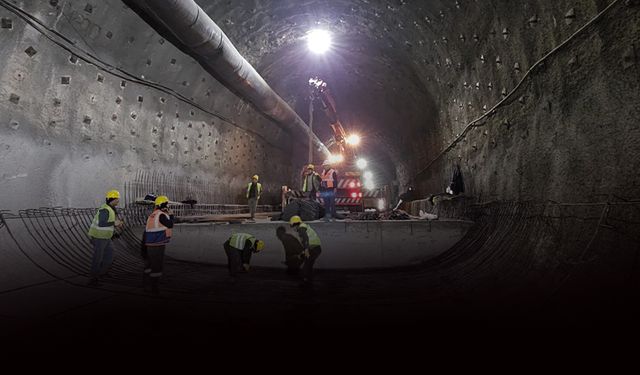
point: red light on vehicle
(360, 195)
(352, 184)
(359, 184)
(354, 195)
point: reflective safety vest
(309, 183)
(103, 233)
(258, 189)
(156, 234)
(238, 240)
(314, 240)
(327, 179)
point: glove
(306, 253)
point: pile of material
(306, 209)
(390, 215)
(395, 215)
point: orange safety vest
(327, 179)
(156, 234)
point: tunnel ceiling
(430, 84)
(408, 74)
(374, 69)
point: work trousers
(311, 195)
(102, 256)
(236, 258)
(154, 261)
(253, 205)
(307, 267)
(329, 198)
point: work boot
(246, 267)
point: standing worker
(157, 235)
(101, 232)
(239, 248)
(328, 188)
(310, 243)
(310, 182)
(254, 189)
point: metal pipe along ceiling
(188, 27)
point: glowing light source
(335, 159)
(381, 204)
(352, 184)
(367, 175)
(319, 41)
(353, 140)
(354, 195)
(369, 185)
(361, 163)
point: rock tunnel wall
(92, 98)
(569, 131)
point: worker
(102, 230)
(157, 235)
(239, 248)
(293, 251)
(310, 182)
(254, 189)
(311, 245)
(328, 187)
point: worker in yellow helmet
(311, 244)
(254, 189)
(239, 248)
(157, 235)
(310, 182)
(103, 228)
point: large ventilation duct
(189, 28)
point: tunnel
(532, 103)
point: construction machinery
(349, 194)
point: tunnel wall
(569, 132)
(91, 96)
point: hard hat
(311, 166)
(255, 176)
(295, 220)
(259, 245)
(113, 194)
(161, 199)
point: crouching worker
(293, 251)
(310, 244)
(239, 248)
(157, 235)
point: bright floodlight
(361, 163)
(353, 140)
(335, 159)
(368, 175)
(369, 185)
(318, 41)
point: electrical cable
(492, 111)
